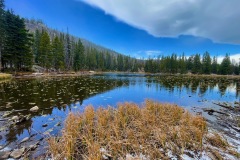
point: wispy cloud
(214, 19)
(146, 54)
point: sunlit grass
(151, 130)
(5, 76)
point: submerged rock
(7, 113)
(34, 109)
(44, 125)
(25, 139)
(4, 154)
(17, 153)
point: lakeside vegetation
(56, 51)
(152, 130)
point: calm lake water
(56, 97)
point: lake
(56, 97)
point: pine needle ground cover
(151, 131)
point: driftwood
(224, 106)
(211, 111)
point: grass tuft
(216, 140)
(5, 76)
(151, 130)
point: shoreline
(23, 75)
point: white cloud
(214, 19)
(233, 57)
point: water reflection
(57, 96)
(48, 94)
(203, 84)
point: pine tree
(190, 63)
(68, 52)
(2, 29)
(197, 66)
(206, 63)
(36, 45)
(78, 56)
(58, 53)
(17, 43)
(182, 64)
(226, 65)
(45, 57)
(215, 65)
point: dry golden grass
(5, 76)
(151, 130)
(216, 140)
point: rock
(32, 147)
(7, 113)
(8, 105)
(28, 117)
(25, 139)
(21, 120)
(44, 125)
(17, 153)
(15, 118)
(4, 154)
(34, 109)
(58, 124)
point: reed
(151, 130)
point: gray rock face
(17, 153)
(34, 109)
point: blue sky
(142, 28)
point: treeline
(194, 64)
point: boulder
(17, 153)
(34, 109)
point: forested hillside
(61, 51)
